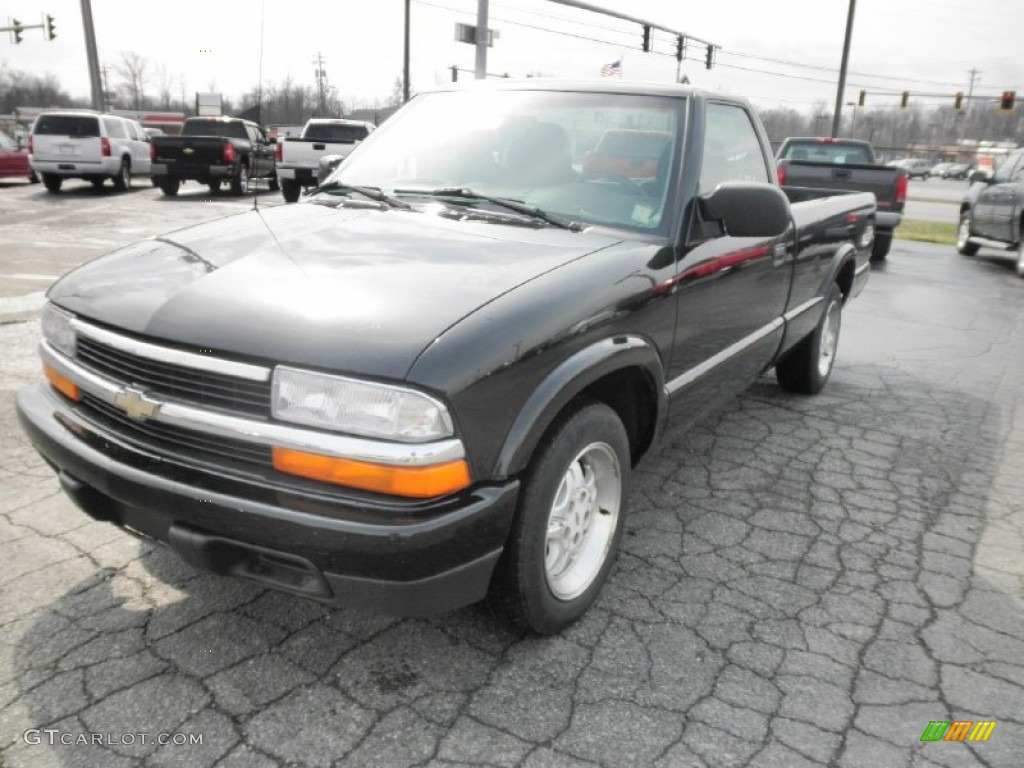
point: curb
(20, 309)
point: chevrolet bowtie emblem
(187, 151)
(135, 404)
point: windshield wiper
(374, 193)
(513, 205)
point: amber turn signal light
(413, 482)
(62, 384)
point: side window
(252, 133)
(115, 128)
(731, 149)
(1007, 168)
(1018, 171)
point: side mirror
(981, 175)
(326, 167)
(747, 209)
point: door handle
(319, 146)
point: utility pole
(321, 79)
(482, 38)
(974, 73)
(92, 56)
(405, 56)
(842, 69)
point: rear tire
(123, 179)
(52, 182)
(240, 183)
(963, 236)
(571, 514)
(806, 367)
(169, 186)
(880, 249)
(290, 189)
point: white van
(80, 144)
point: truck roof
(671, 90)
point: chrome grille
(191, 385)
(165, 438)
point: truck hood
(350, 290)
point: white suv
(79, 144)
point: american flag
(615, 68)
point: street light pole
(842, 70)
(91, 54)
(481, 40)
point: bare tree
(165, 84)
(133, 71)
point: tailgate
(55, 149)
(306, 153)
(190, 150)
(880, 180)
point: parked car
(298, 158)
(845, 165)
(431, 381)
(990, 214)
(916, 168)
(80, 144)
(939, 170)
(14, 160)
(213, 150)
(957, 171)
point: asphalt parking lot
(804, 581)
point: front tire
(290, 189)
(806, 367)
(963, 236)
(566, 533)
(1020, 258)
(881, 246)
(52, 182)
(123, 179)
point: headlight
(358, 407)
(57, 329)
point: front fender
(567, 381)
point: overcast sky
(781, 53)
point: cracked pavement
(803, 582)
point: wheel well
(630, 392)
(845, 278)
(964, 208)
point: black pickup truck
(430, 381)
(212, 150)
(845, 165)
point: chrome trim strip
(713, 362)
(799, 310)
(261, 432)
(861, 269)
(172, 356)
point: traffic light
(904, 99)
(50, 34)
(680, 48)
(958, 102)
(455, 73)
(17, 30)
(647, 39)
(710, 59)
(861, 98)
(1006, 101)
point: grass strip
(927, 231)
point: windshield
(826, 152)
(598, 158)
(345, 134)
(76, 126)
(223, 128)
